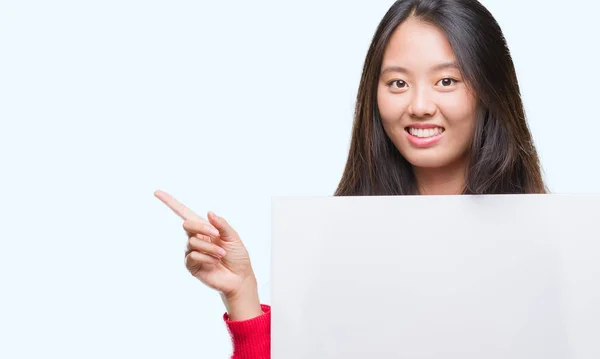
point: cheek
(460, 112)
(391, 107)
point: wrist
(244, 303)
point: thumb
(227, 233)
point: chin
(424, 162)
(428, 158)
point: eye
(398, 84)
(447, 82)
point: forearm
(251, 338)
(249, 323)
(244, 304)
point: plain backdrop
(223, 104)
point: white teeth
(429, 132)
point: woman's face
(426, 109)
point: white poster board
(444, 277)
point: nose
(422, 104)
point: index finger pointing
(177, 207)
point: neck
(440, 181)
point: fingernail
(213, 231)
(221, 251)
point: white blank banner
(444, 277)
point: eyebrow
(442, 66)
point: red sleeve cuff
(251, 338)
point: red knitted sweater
(251, 338)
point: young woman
(438, 112)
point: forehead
(416, 44)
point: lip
(423, 142)
(424, 125)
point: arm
(248, 322)
(251, 338)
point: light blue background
(223, 104)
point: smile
(424, 135)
